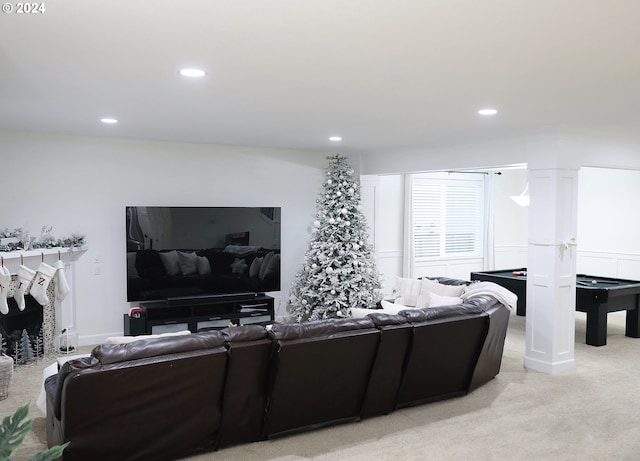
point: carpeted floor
(590, 414)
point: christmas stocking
(25, 276)
(62, 287)
(5, 280)
(41, 282)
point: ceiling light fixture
(487, 112)
(335, 138)
(108, 120)
(192, 73)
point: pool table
(595, 295)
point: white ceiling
(289, 73)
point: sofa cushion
(382, 319)
(53, 384)
(246, 384)
(321, 370)
(316, 328)
(444, 312)
(145, 348)
(244, 333)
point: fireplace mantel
(69, 253)
(65, 311)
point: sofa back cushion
(161, 407)
(320, 373)
(56, 387)
(244, 333)
(386, 373)
(444, 312)
(488, 365)
(442, 355)
(145, 348)
(317, 328)
(245, 393)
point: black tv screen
(189, 252)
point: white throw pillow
(360, 313)
(433, 286)
(437, 300)
(387, 308)
(408, 290)
(393, 308)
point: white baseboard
(92, 340)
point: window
(447, 215)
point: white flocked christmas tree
(339, 270)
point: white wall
(383, 206)
(608, 223)
(608, 238)
(591, 151)
(82, 185)
(510, 223)
(609, 183)
(478, 156)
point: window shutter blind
(447, 217)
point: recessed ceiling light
(192, 72)
(335, 138)
(487, 112)
(108, 120)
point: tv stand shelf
(196, 313)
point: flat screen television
(176, 252)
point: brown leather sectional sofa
(166, 398)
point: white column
(551, 265)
